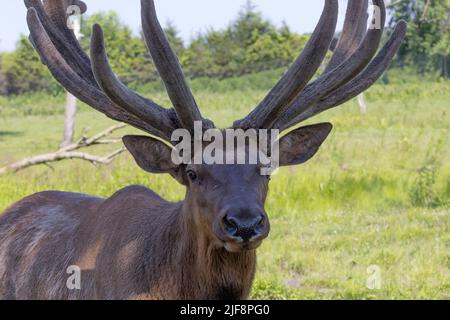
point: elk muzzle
(244, 229)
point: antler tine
(360, 83)
(74, 83)
(353, 32)
(328, 82)
(57, 13)
(169, 69)
(369, 76)
(62, 37)
(143, 108)
(57, 10)
(299, 74)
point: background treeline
(427, 44)
(249, 44)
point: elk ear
(302, 144)
(153, 156)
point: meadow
(377, 194)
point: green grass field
(377, 193)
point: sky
(189, 16)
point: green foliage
(23, 70)
(347, 209)
(405, 89)
(366, 199)
(39, 103)
(249, 44)
(127, 53)
(350, 207)
(423, 193)
(427, 44)
(3, 81)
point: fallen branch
(84, 141)
(71, 152)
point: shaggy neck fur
(204, 266)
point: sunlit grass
(356, 204)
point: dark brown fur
(41, 236)
(136, 245)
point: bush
(423, 192)
(23, 70)
(250, 44)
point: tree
(127, 53)
(24, 71)
(3, 82)
(249, 23)
(442, 48)
(71, 101)
(275, 48)
(175, 40)
(426, 43)
(249, 44)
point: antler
(349, 72)
(96, 84)
(300, 73)
(355, 26)
(169, 68)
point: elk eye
(192, 175)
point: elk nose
(245, 229)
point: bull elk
(136, 245)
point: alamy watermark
(374, 278)
(74, 20)
(230, 146)
(375, 23)
(74, 280)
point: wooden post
(69, 120)
(362, 103)
(71, 101)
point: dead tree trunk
(69, 120)
(74, 22)
(362, 103)
(445, 67)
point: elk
(136, 245)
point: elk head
(226, 201)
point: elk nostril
(231, 227)
(245, 230)
(260, 224)
(261, 221)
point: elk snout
(244, 226)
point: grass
(376, 194)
